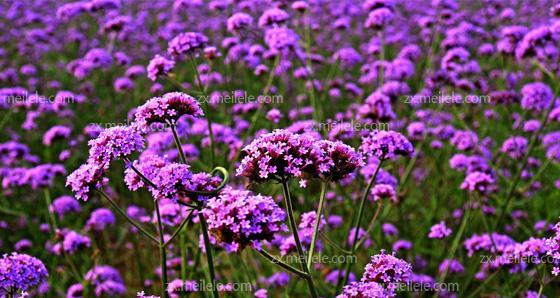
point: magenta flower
(167, 109)
(20, 272)
(439, 231)
(386, 145)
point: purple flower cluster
(238, 219)
(106, 281)
(167, 109)
(19, 272)
(439, 231)
(187, 44)
(386, 145)
(159, 66)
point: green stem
(178, 144)
(162, 254)
(184, 223)
(280, 263)
(293, 227)
(130, 220)
(359, 219)
(371, 225)
(209, 257)
(51, 217)
(317, 223)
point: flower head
(238, 219)
(187, 43)
(386, 145)
(387, 270)
(168, 108)
(20, 272)
(159, 66)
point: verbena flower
(238, 219)
(187, 43)
(515, 147)
(386, 145)
(365, 290)
(439, 231)
(167, 108)
(64, 205)
(86, 179)
(106, 281)
(159, 66)
(114, 143)
(536, 96)
(20, 272)
(479, 182)
(100, 219)
(336, 160)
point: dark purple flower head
(386, 145)
(187, 43)
(377, 108)
(336, 160)
(55, 133)
(100, 219)
(439, 231)
(168, 108)
(464, 140)
(114, 143)
(280, 38)
(279, 155)
(379, 18)
(19, 272)
(273, 16)
(159, 66)
(86, 179)
(99, 58)
(384, 192)
(479, 182)
(64, 205)
(515, 147)
(536, 96)
(238, 22)
(238, 219)
(365, 290)
(387, 270)
(106, 280)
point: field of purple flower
(262, 148)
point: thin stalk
(162, 254)
(130, 220)
(317, 222)
(280, 263)
(208, 121)
(52, 218)
(184, 223)
(293, 227)
(359, 220)
(209, 257)
(178, 144)
(371, 225)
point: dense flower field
(261, 148)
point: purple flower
(238, 219)
(19, 272)
(238, 22)
(451, 266)
(86, 179)
(187, 43)
(335, 161)
(100, 219)
(387, 270)
(159, 66)
(99, 58)
(384, 191)
(365, 290)
(464, 140)
(379, 18)
(377, 108)
(55, 133)
(114, 143)
(386, 145)
(279, 155)
(479, 182)
(439, 231)
(64, 205)
(279, 38)
(273, 16)
(106, 280)
(168, 108)
(552, 246)
(515, 147)
(536, 96)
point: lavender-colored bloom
(383, 191)
(238, 219)
(515, 147)
(114, 143)
(365, 290)
(379, 18)
(20, 272)
(552, 246)
(335, 160)
(387, 270)
(333, 276)
(100, 219)
(122, 84)
(279, 38)
(86, 179)
(106, 280)
(159, 66)
(479, 182)
(273, 16)
(64, 205)
(238, 22)
(75, 291)
(386, 145)
(55, 133)
(377, 108)
(439, 231)
(536, 96)
(348, 57)
(168, 108)
(98, 58)
(464, 140)
(451, 266)
(361, 234)
(187, 43)
(278, 155)
(402, 244)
